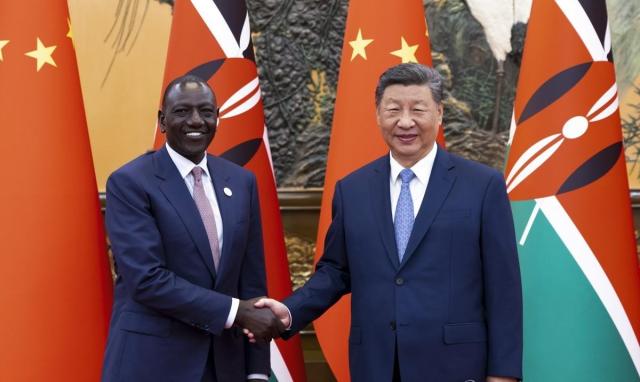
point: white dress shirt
(417, 186)
(185, 166)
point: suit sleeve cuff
(232, 313)
(264, 377)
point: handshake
(262, 318)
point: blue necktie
(404, 213)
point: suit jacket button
(399, 281)
(393, 325)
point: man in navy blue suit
(424, 242)
(187, 243)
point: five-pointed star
(406, 53)
(70, 33)
(358, 45)
(2, 44)
(42, 54)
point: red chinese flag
(55, 285)
(379, 34)
(212, 40)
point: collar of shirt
(422, 168)
(184, 165)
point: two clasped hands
(262, 319)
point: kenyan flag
(567, 181)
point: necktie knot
(406, 175)
(197, 174)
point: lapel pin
(227, 191)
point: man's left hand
(501, 379)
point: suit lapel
(381, 205)
(440, 183)
(175, 190)
(221, 180)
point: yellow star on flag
(70, 33)
(2, 44)
(407, 53)
(42, 54)
(358, 45)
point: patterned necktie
(206, 213)
(403, 223)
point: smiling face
(189, 119)
(409, 119)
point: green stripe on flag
(568, 334)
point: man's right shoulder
(365, 172)
(142, 164)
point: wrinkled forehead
(411, 93)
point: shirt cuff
(232, 313)
(290, 318)
(264, 377)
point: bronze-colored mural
(298, 46)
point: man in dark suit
(424, 241)
(187, 243)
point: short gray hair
(411, 74)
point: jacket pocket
(145, 324)
(465, 333)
